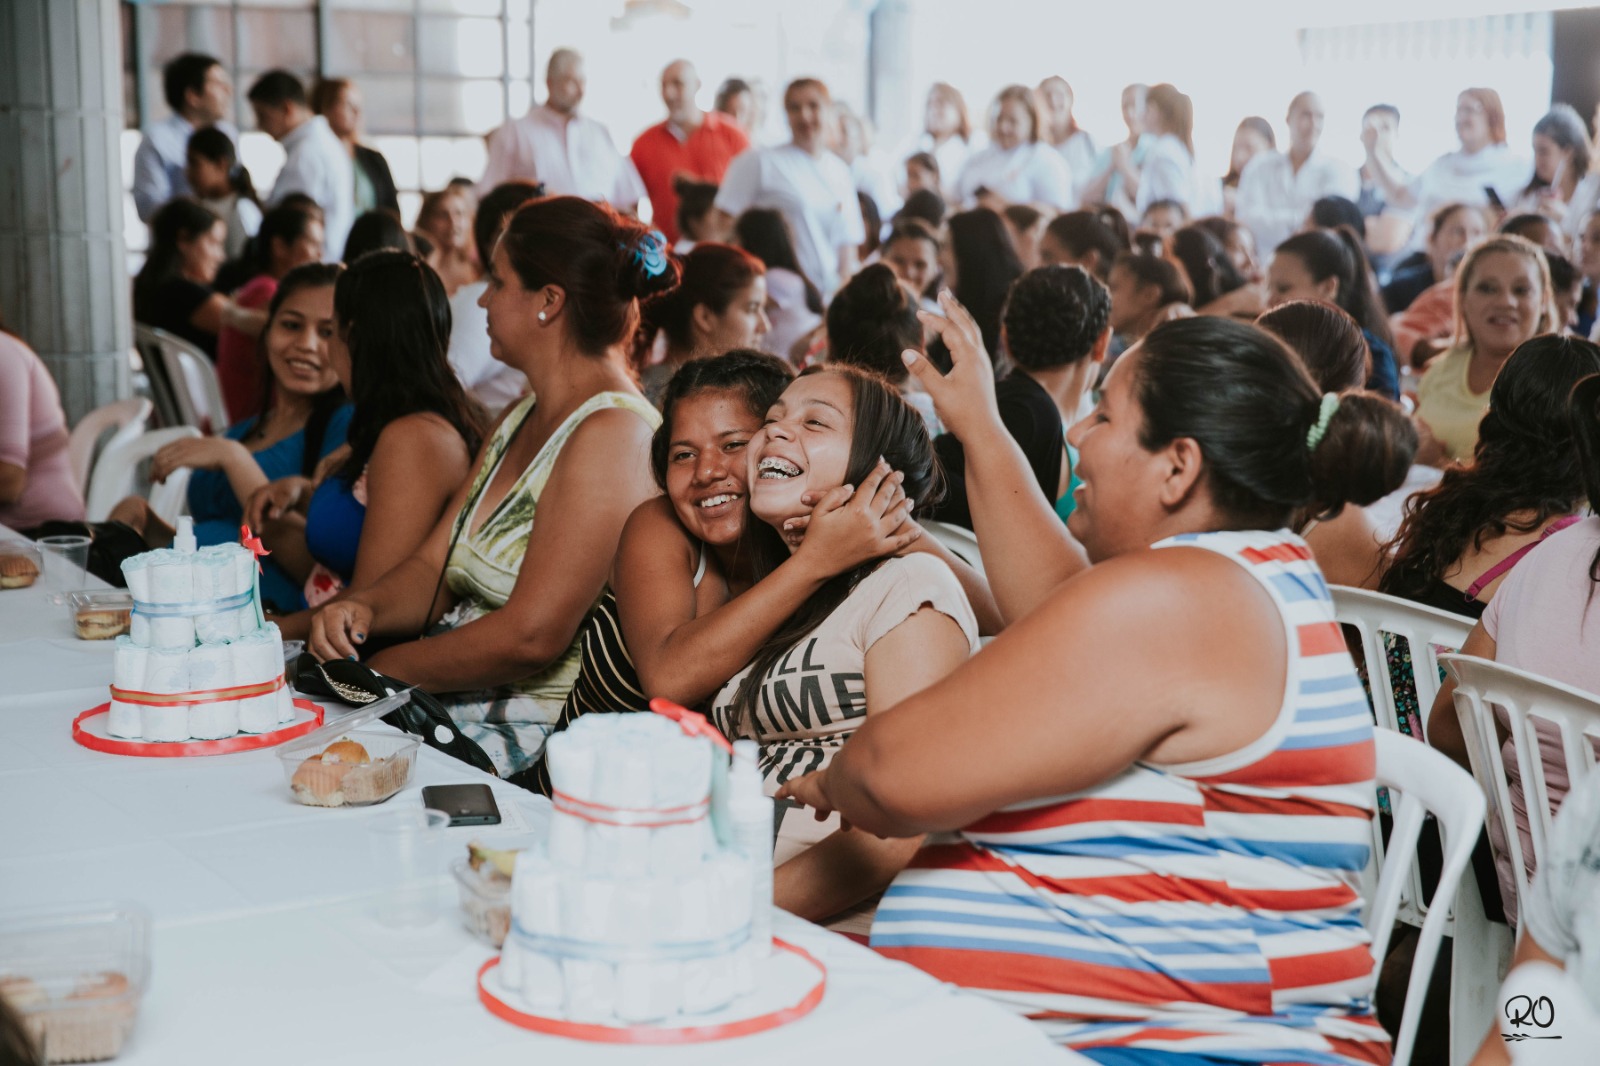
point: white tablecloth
(263, 950)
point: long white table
(262, 947)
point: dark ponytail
(1100, 229)
(1339, 254)
(1250, 405)
(212, 144)
(712, 275)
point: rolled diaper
(258, 657)
(127, 672)
(211, 667)
(171, 582)
(166, 673)
(538, 910)
(591, 990)
(244, 578)
(214, 580)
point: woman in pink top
(1545, 619)
(36, 482)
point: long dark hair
(986, 265)
(1585, 412)
(1337, 253)
(394, 317)
(325, 403)
(1250, 405)
(1326, 338)
(286, 223)
(179, 219)
(763, 232)
(210, 143)
(883, 425)
(1526, 459)
(759, 378)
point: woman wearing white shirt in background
(1168, 170)
(946, 135)
(809, 185)
(1062, 132)
(1483, 162)
(1017, 167)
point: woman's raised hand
(964, 397)
(338, 628)
(274, 499)
(849, 526)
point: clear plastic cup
(409, 861)
(66, 562)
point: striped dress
(1202, 913)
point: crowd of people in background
(542, 459)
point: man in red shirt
(697, 144)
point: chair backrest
(114, 475)
(961, 541)
(1425, 782)
(1528, 701)
(126, 418)
(185, 384)
(1373, 615)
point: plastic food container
(485, 902)
(76, 976)
(20, 563)
(100, 615)
(317, 780)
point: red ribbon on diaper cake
(183, 699)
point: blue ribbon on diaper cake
(588, 951)
(191, 610)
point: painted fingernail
(352, 658)
(908, 358)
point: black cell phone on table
(465, 804)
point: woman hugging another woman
(507, 578)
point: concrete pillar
(63, 267)
(892, 100)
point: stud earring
(541, 316)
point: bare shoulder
(652, 523)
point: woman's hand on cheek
(848, 527)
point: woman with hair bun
(507, 578)
(870, 322)
(719, 305)
(1091, 238)
(1146, 786)
(1332, 345)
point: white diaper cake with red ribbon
(200, 661)
(648, 909)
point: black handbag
(355, 685)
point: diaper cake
(199, 662)
(651, 897)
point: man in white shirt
(554, 146)
(809, 185)
(199, 93)
(1277, 189)
(317, 163)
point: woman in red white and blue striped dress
(1152, 793)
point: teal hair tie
(1330, 404)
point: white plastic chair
(196, 394)
(127, 419)
(961, 541)
(1526, 699)
(115, 476)
(1422, 781)
(1373, 614)
(1480, 949)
